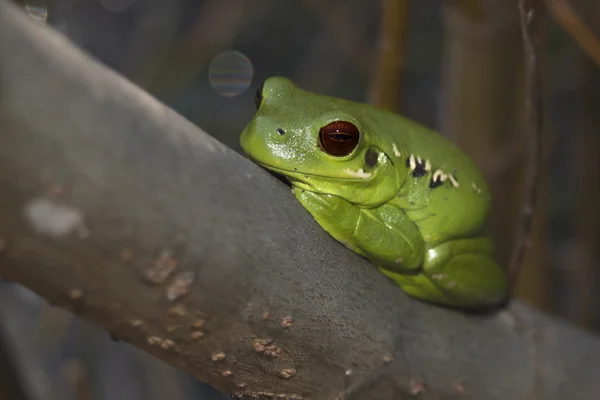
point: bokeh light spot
(230, 73)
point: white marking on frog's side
(50, 218)
(427, 165)
(453, 181)
(359, 174)
(419, 161)
(396, 151)
(411, 162)
(399, 261)
(475, 187)
(439, 174)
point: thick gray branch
(98, 181)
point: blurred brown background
(455, 66)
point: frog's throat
(302, 179)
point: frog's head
(320, 144)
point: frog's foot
(465, 274)
(457, 273)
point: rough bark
(98, 181)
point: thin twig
(528, 15)
(576, 27)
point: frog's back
(443, 190)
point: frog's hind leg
(463, 273)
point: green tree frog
(389, 189)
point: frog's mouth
(306, 180)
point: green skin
(428, 240)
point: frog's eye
(339, 138)
(258, 97)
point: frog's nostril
(281, 131)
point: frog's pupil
(340, 136)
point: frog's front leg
(384, 235)
(462, 272)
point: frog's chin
(299, 181)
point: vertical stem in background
(482, 69)
(576, 27)
(386, 86)
(482, 111)
(528, 10)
